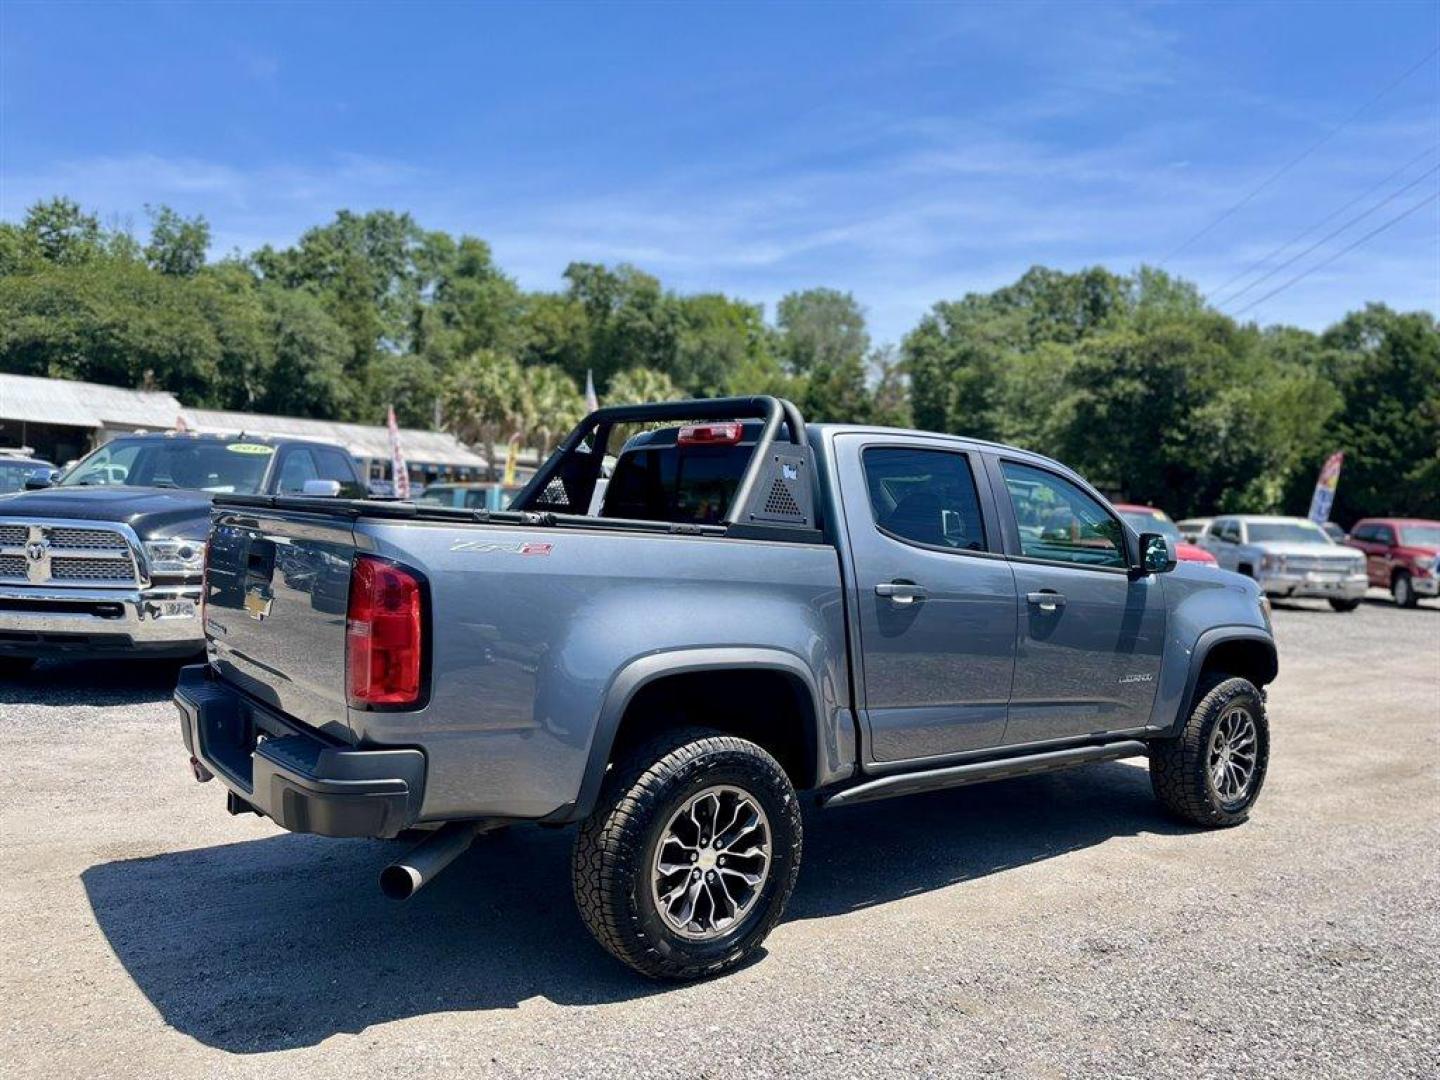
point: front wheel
(688, 860)
(1344, 605)
(1211, 773)
(1403, 589)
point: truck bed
(531, 621)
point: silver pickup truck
(748, 608)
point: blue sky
(906, 153)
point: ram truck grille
(66, 555)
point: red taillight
(710, 434)
(382, 635)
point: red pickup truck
(1401, 554)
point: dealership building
(60, 420)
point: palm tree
(639, 385)
(557, 406)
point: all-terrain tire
(1403, 590)
(1181, 767)
(615, 851)
(1344, 605)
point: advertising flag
(399, 471)
(1324, 496)
(591, 401)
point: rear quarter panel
(525, 646)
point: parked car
(469, 496)
(1148, 519)
(668, 673)
(1289, 557)
(106, 560)
(1192, 529)
(1401, 554)
(15, 469)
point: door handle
(900, 592)
(1046, 600)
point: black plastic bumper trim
(291, 775)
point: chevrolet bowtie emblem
(257, 603)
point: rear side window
(297, 468)
(334, 465)
(925, 496)
(1059, 522)
(693, 485)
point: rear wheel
(1344, 605)
(1211, 773)
(1403, 589)
(688, 860)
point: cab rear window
(691, 485)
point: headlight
(1272, 562)
(1265, 612)
(175, 556)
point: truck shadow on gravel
(93, 682)
(282, 942)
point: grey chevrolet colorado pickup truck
(749, 608)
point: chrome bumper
(1301, 583)
(1426, 586)
(49, 621)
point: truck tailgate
(277, 588)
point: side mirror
(1156, 555)
(41, 478)
(324, 489)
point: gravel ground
(1054, 926)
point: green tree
(1389, 427)
(484, 399)
(635, 386)
(306, 374)
(820, 329)
(556, 405)
(177, 244)
(59, 232)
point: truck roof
(965, 440)
(227, 436)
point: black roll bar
(763, 406)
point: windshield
(228, 467)
(1143, 523)
(1420, 535)
(1287, 532)
(14, 473)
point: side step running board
(977, 772)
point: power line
(1278, 173)
(1343, 251)
(1258, 263)
(1331, 235)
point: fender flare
(642, 671)
(1205, 644)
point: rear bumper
(159, 621)
(290, 774)
(1302, 584)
